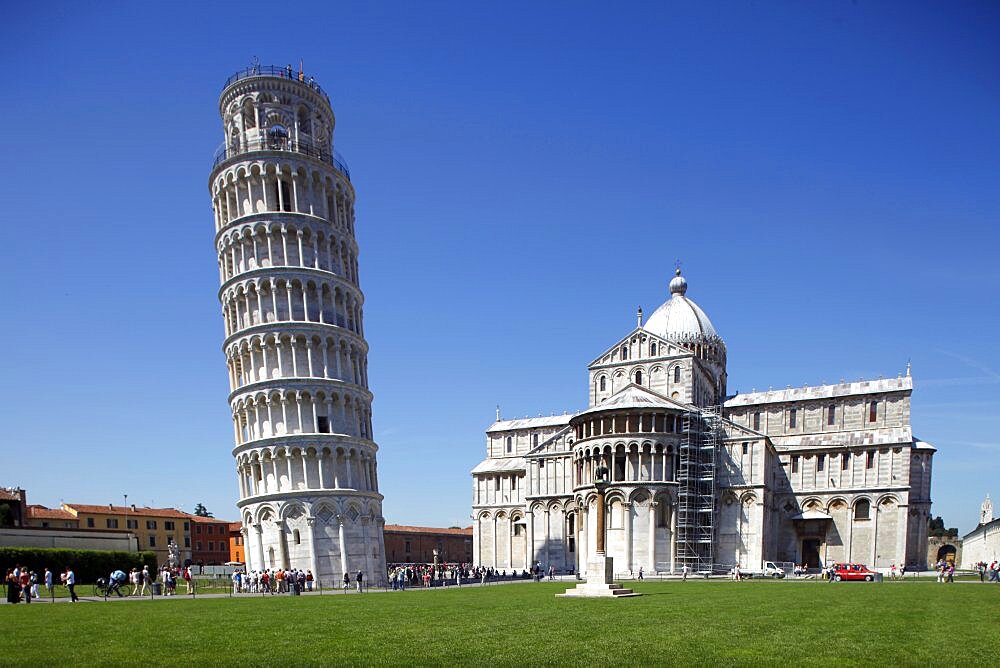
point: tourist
(187, 579)
(640, 572)
(69, 577)
(34, 584)
(146, 579)
(49, 587)
(347, 582)
(359, 577)
(309, 580)
(892, 572)
(13, 587)
(25, 580)
(684, 572)
(951, 572)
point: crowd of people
(990, 570)
(283, 581)
(23, 583)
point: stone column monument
(600, 567)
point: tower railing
(275, 71)
(320, 152)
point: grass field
(697, 622)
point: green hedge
(87, 565)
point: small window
(297, 537)
(518, 529)
(870, 459)
(845, 461)
(820, 462)
(638, 377)
(90, 522)
(197, 528)
(168, 526)
(756, 421)
(792, 418)
(187, 526)
(534, 440)
(197, 545)
(831, 415)
(187, 541)
(112, 523)
(677, 374)
(510, 443)
(152, 541)
(322, 424)
(497, 482)
(862, 510)
(746, 448)
(211, 546)
(624, 352)
(406, 546)
(652, 348)
(602, 384)
(873, 411)
(795, 463)
(208, 529)
(151, 524)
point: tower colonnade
(296, 356)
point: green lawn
(697, 622)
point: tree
(936, 529)
(201, 511)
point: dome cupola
(681, 320)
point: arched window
(602, 384)
(510, 443)
(677, 374)
(624, 352)
(862, 510)
(638, 377)
(652, 348)
(304, 122)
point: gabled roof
(451, 531)
(673, 348)
(43, 513)
(500, 465)
(530, 423)
(138, 511)
(857, 438)
(880, 386)
(636, 396)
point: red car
(843, 572)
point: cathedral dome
(680, 319)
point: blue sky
(527, 175)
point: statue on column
(986, 511)
(173, 555)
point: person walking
(49, 587)
(684, 572)
(640, 572)
(146, 580)
(347, 582)
(25, 580)
(358, 578)
(70, 578)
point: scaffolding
(696, 488)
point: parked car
(842, 572)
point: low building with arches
(813, 475)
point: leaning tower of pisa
(295, 346)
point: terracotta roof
(402, 528)
(43, 513)
(207, 520)
(138, 511)
(9, 495)
(235, 526)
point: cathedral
(812, 475)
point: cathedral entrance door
(810, 552)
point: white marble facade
(811, 475)
(294, 338)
